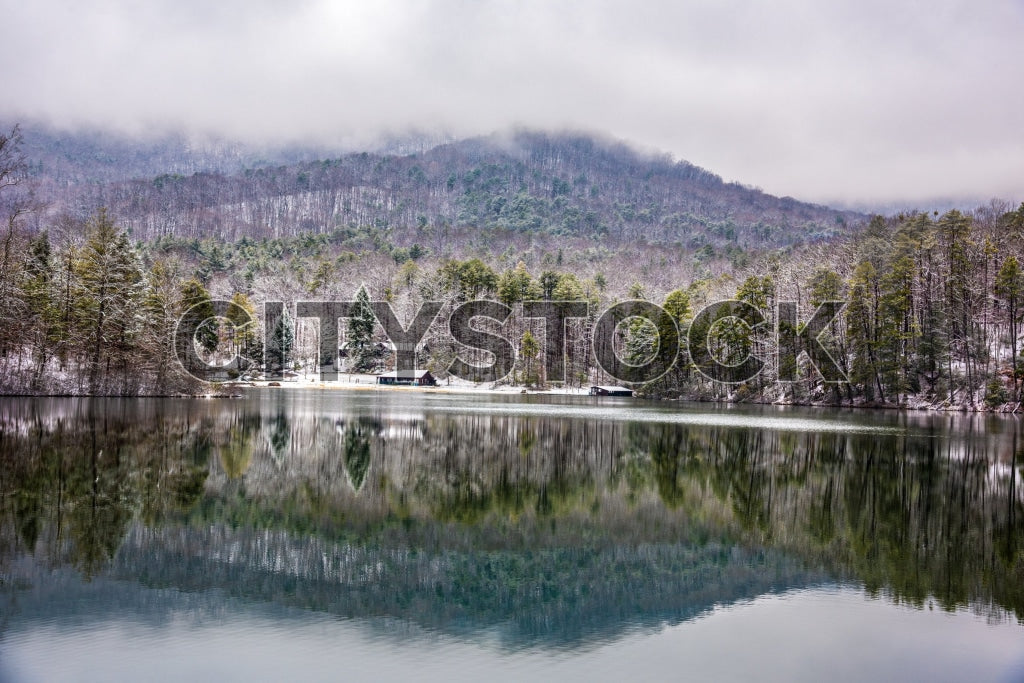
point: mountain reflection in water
(552, 522)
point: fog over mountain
(533, 183)
(864, 104)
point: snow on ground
(452, 385)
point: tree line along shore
(932, 316)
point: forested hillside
(525, 183)
(95, 275)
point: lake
(336, 534)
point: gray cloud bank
(850, 101)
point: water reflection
(536, 520)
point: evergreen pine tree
(279, 353)
(161, 311)
(193, 293)
(1010, 288)
(107, 304)
(38, 295)
(641, 341)
(245, 339)
(860, 330)
(529, 349)
(517, 285)
(359, 343)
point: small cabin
(415, 378)
(610, 391)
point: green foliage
(193, 293)
(826, 285)
(282, 344)
(895, 328)
(246, 338)
(568, 288)
(1009, 286)
(469, 279)
(39, 296)
(359, 341)
(1010, 282)
(995, 393)
(548, 282)
(757, 291)
(109, 291)
(677, 305)
(641, 341)
(322, 276)
(517, 285)
(861, 312)
(529, 350)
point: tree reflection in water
(566, 524)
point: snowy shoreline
(369, 382)
(460, 386)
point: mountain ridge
(562, 184)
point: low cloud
(854, 102)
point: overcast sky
(859, 101)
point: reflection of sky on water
(829, 633)
(794, 424)
(585, 408)
(406, 405)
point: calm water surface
(329, 535)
